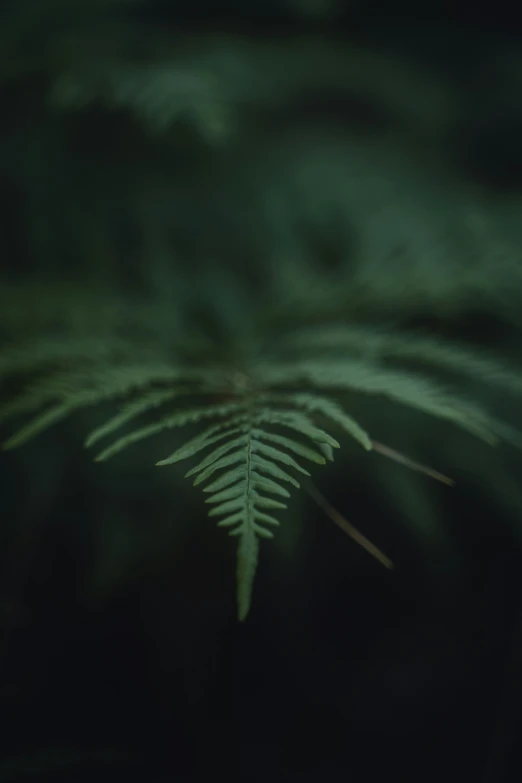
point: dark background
(120, 654)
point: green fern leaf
(249, 474)
(406, 388)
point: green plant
(263, 404)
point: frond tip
(250, 465)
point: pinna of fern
(259, 423)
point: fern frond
(67, 391)
(402, 367)
(380, 346)
(404, 387)
(249, 470)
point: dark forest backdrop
(197, 151)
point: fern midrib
(248, 543)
